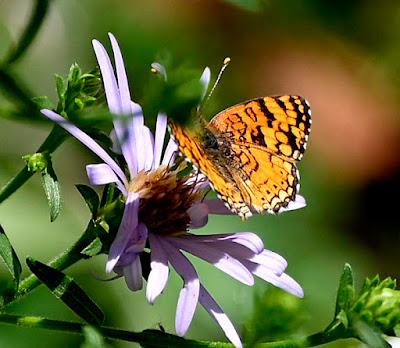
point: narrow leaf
(345, 294)
(10, 257)
(67, 290)
(90, 196)
(372, 337)
(60, 86)
(51, 187)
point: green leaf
(51, 187)
(43, 102)
(10, 257)
(345, 294)
(371, 336)
(67, 290)
(93, 248)
(93, 338)
(90, 196)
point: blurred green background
(343, 56)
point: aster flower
(161, 207)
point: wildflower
(161, 207)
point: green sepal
(94, 248)
(345, 293)
(10, 257)
(43, 102)
(91, 198)
(67, 290)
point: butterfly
(249, 152)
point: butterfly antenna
(227, 60)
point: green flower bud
(378, 304)
(37, 162)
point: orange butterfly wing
(280, 124)
(268, 135)
(252, 166)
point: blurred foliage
(276, 314)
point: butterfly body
(249, 152)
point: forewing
(280, 124)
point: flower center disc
(164, 200)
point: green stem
(60, 262)
(51, 143)
(156, 338)
(30, 32)
(153, 338)
(307, 341)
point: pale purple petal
(189, 294)
(298, 203)
(216, 206)
(148, 148)
(198, 214)
(161, 128)
(269, 257)
(220, 317)
(205, 81)
(121, 76)
(102, 174)
(169, 153)
(108, 77)
(137, 240)
(216, 257)
(282, 281)
(158, 276)
(138, 124)
(248, 239)
(86, 140)
(133, 275)
(126, 229)
(116, 99)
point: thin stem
(154, 338)
(60, 262)
(51, 143)
(30, 32)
